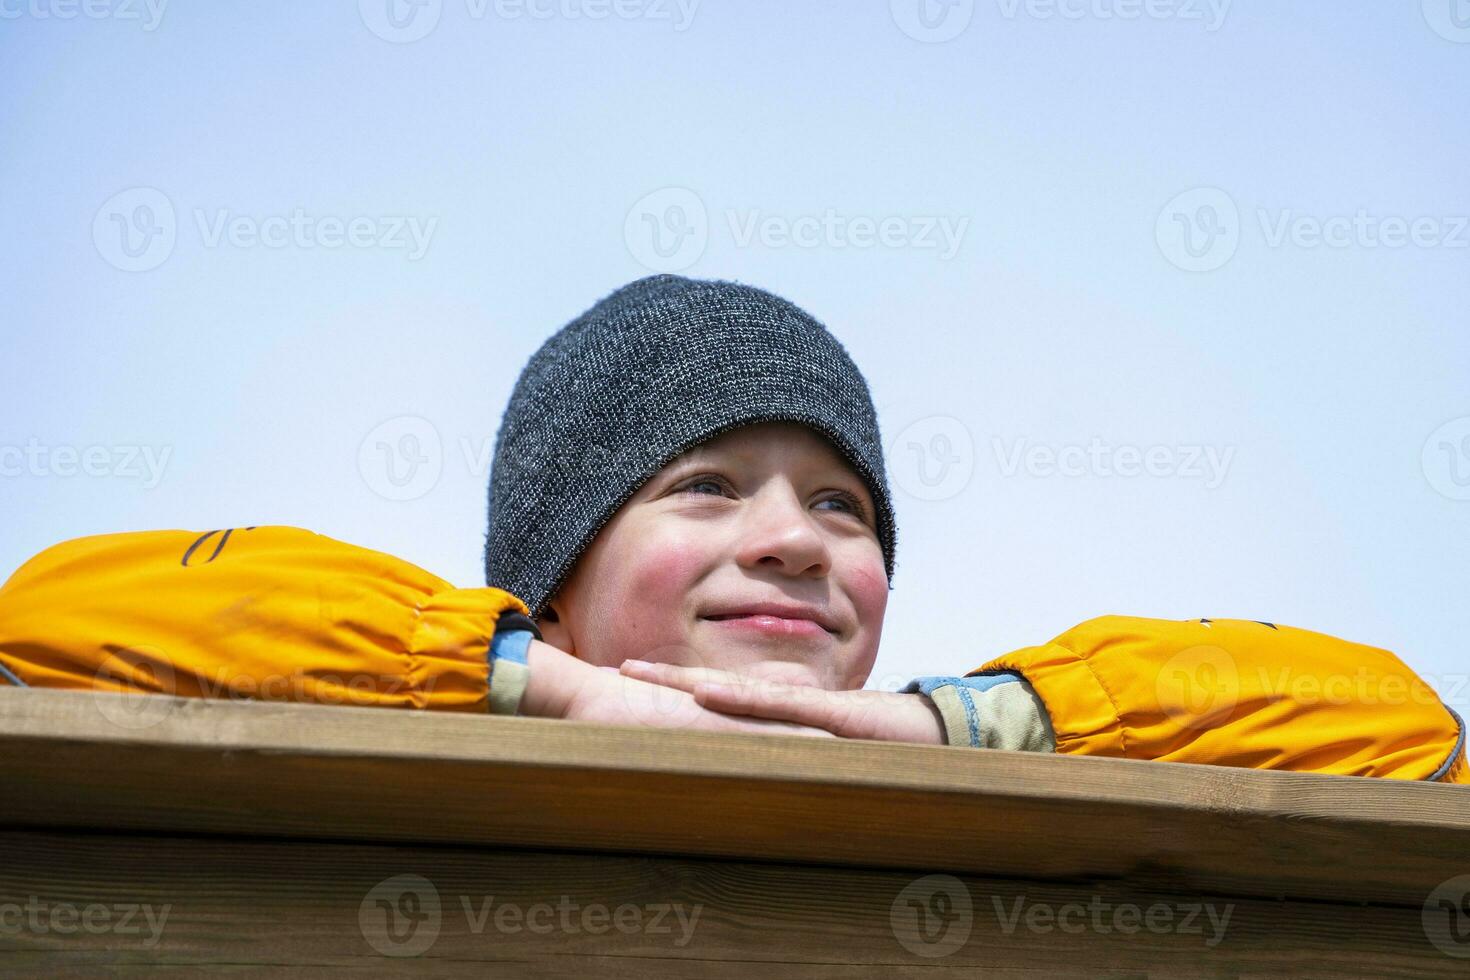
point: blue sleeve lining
(510, 645)
(965, 688)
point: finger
(684, 678)
(672, 675)
(765, 726)
(816, 707)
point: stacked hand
(779, 701)
(561, 686)
(879, 715)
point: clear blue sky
(1065, 314)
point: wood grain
(335, 772)
(270, 908)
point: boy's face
(761, 515)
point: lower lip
(774, 626)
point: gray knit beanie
(655, 368)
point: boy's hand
(561, 686)
(878, 715)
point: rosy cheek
(662, 574)
(643, 596)
(867, 587)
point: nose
(779, 533)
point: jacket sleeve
(271, 613)
(1222, 692)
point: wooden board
(178, 765)
(166, 905)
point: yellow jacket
(275, 613)
(281, 613)
(1233, 692)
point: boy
(640, 415)
(660, 501)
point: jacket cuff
(509, 670)
(991, 711)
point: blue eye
(705, 481)
(855, 505)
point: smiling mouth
(771, 625)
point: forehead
(783, 442)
